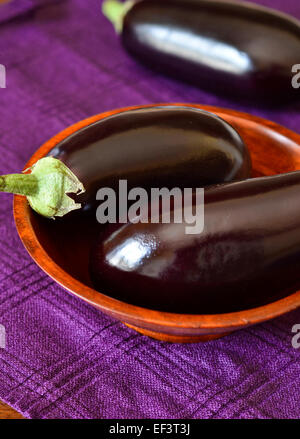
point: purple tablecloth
(64, 359)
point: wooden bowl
(51, 244)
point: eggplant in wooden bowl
(241, 269)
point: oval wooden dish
(62, 250)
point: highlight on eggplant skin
(237, 49)
(157, 146)
(247, 256)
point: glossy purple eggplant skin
(238, 49)
(247, 255)
(171, 146)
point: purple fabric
(63, 358)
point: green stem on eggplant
(21, 184)
(46, 187)
(115, 11)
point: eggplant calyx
(46, 187)
(115, 11)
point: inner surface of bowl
(67, 243)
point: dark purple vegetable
(247, 256)
(233, 48)
(171, 146)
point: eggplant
(159, 146)
(247, 255)
(240, 50)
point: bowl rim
(122, 310)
